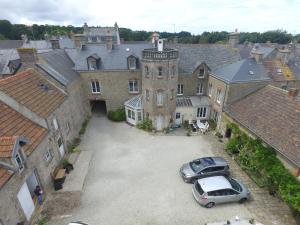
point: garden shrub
(146, 125)
(212, 124)
(117, 115)
(262, 165)
(84, 125)
(185, 124)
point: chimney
(283, 55)
(24, 39)
(293, 92)
(257, 54)
(234, 39)
(155, 37)
(109, 43)
(55, 43)
(27, 55)
(79, 40)
(85, 28)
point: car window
(217, 168)
(235, 185)
(216, 193)
(230, 192)
(207, 170)
(196, 165)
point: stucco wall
(113, 84)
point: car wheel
(242, 200)
(210, 204)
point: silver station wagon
(204, 167)
(219, 189)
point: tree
(6, 28)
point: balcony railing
(153, 54)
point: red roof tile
(32, 90)
(274, 117)
(4, 176)
(7, 146)
(13, 123)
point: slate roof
(33, 91)
(5, 57)
(60, 61)
(10, 44)
(12, 123)
(110, 60)
(190, 56)
(294, 63)
(214, 55)
(273, 116)
(240, 72)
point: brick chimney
(27, 55)
(79, 40)
(55, 43)
(109, 43)
(293, 92)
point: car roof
(214, 183)
(211, 161)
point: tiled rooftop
(13, 123)
(7, 146)
(273, 116)
(4, 176)
(33, 91)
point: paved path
(133, 179)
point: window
(201, 73)
(172, 94)
(216, 116)
(133, 86)
(131, 114)
(173, 71)
(95, 87)
(147, 71)
(160, 71)
(139, 114)
(19, 162)
(92, 65)
(201, 112)
(179, 89)
(55, 124)
(147, 95)
(210, 88)
(177, 116)
(47, 156)
(200, 88)
(159, 98)
(132, 63)
(219, 95)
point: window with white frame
(132, 63)
(146, 71)
(55, 124)
(133, 86)
(139, 115)
(159, 98)
(147, 94)
(95, 86)
(160, 71)
(219, 95)
(131, 114)
(47, 155)
(201, 112)
(199, 88)
(179, 89)
(210, 89)
(19, 162)
(201, 73)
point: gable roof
(12, 124)
(240, 72)
(33, 91)
(273, 116)
(214, 55)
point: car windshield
(235, 185)
(196, 165)
(199, 189)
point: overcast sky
(194, 16)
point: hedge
(117, 115)
(146, 125)
(261, 163)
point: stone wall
(113, 85)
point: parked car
(219, 189)
(204, 167)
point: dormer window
(19, 161)
(93, 62)
(132, 62)
(201, 73)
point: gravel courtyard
(133, 179)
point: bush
(262, 165)
(185, 124)
(84, 125)
(212, 124)
(74, 144)
(146, 125)
(117, 116)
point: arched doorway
(98, 107)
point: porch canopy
(134, 109)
